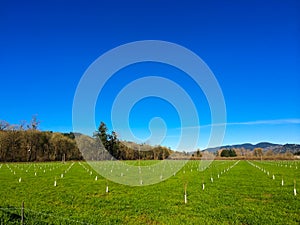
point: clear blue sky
(252, 47)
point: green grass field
(242, 192)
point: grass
(243, 194)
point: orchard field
(227, 192)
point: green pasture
(235, 192)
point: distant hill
(294, 148)
(276, 148)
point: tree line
(228, 153)
(105, 145)
(26, 143)
(256, 153)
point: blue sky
(252, 47)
